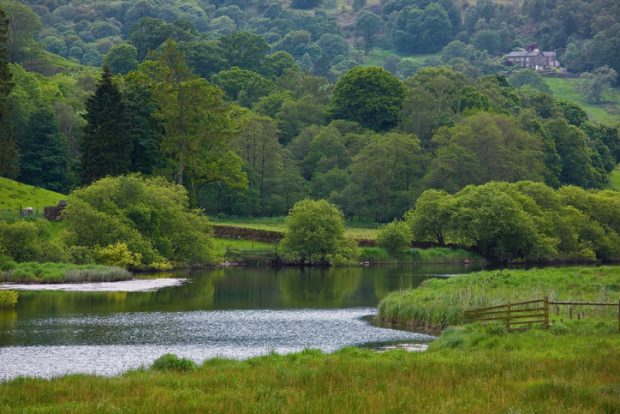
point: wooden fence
(522, 315)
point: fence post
(508, 317)
(546, 306)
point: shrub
(395, 237)
(8, 299)
(118, 254)
(171, 362)
(81, 255)
(151, 216)
(315, 234)
(30, 241)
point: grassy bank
(8, 299)
(438, 303)
(471, 371)
(434, 255)
(31, 272)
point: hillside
(14, 195)
(608, 111)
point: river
(232, 313)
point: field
(606, 112)
(353, 230)
(14, 195)
(376, 57)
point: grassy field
(605, 112)
(14, 195)
(471, 370)
(353, 230)
(376, 57)
(441, 302)
(614, 178)
(222, 245)
(32, 272)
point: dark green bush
(171, 362)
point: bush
(395, 237)
(171, 362)
(118, 254)
(30, 241)
(8, 299)
(151, 216)
(315, 234)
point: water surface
(234, 313)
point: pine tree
(9, 161)
(43, 153)
(107, 143)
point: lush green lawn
(222, 245)
(14, 195)
(605, 112)
(614, 178)
(441, 302)
(442, 255)
(468, 371)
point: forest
(255, 107)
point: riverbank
(33, 272)
(439, 303)
(469, 371)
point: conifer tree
(107, 143)
(43, 153)
(9, 163)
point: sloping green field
(609, 111)
(14, 195)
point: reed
(33, 272)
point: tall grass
(438, 303)
(519, 373)
(8, 299)
(32, 272)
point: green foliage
(594, 84)
(118, 254)
(44, 154)
(171, 362)
(8, 299)
(422, 30)
(394, 237)
(371, 96)
(529, 77)
(315, 234)
(106, 146)
(8, 150)
(482, 148)
(244, 86)
(121, 58)
(26, 241)
(150, 216)
(522, 221)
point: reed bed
(33, 272)
(439, 303)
